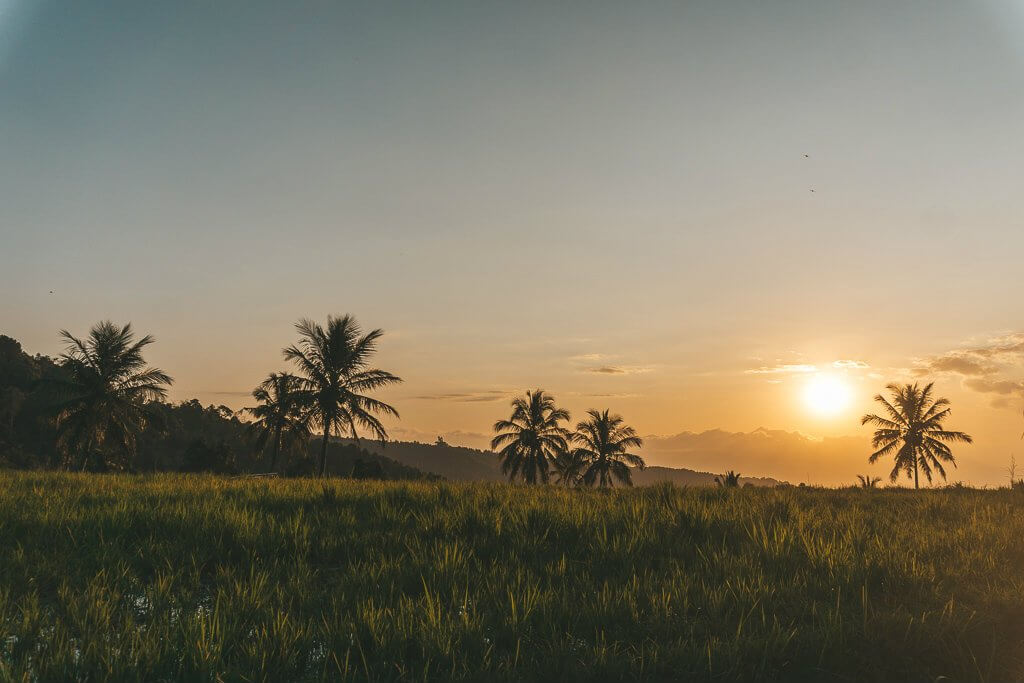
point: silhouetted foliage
(186, 436)
(204, 456)
(730, 480)
(569, 467)
(362, 469)
(279, 423)
(333, 362)
(103, 402)
(867, 481)
(532, 438)
(603, 443)
(913, 432)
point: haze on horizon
(685, 212)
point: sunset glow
(827, 395)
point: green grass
(198, 578)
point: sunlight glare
(826, 395)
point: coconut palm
(103, 396)
(604, 443)
(913, 432)
(729, 480)
(532, 438)
(279, 423)
(334, 366)
(867, 481)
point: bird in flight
(807, 156)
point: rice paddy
(200, 578)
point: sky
(685, 212)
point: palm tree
(729, 480)
(867, 481)
(532, 438)
(334, 363)
(604, 443)
(104, 395)
(569, 467)
(913, 432)
(279, 420)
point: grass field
(198, 578)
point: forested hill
(181, 437)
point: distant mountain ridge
(461, 463)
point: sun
(826, 395)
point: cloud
(850, 364)
(466, 397)
(782, 369)
(590, 357)
(957, 362)
(617, 370)
(993, 367)
(988, 386)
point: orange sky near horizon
(675, 211)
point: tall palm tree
(913, 432)
(279, 420)
(532, 437)
(334, 362)
(103, 398)
(604, 442)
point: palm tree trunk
(277, 449)
(323, 450)
(916, 487)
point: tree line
(89, 409)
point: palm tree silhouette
(333, 362)
(279, 420)
(867, 481)
(729, 480)
(604, 443)
(913, 432)
(103, 399)
(532, 438)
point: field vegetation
(198, 577)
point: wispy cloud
(464, 397)
(590, 358)
(850, 364)
(617, 370)
(784, 369)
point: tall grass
(199, 578)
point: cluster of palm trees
(533, 444)
(104, 400)
(104, 396)
(328, 392)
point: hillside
(460, 463)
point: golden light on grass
(826, 395)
